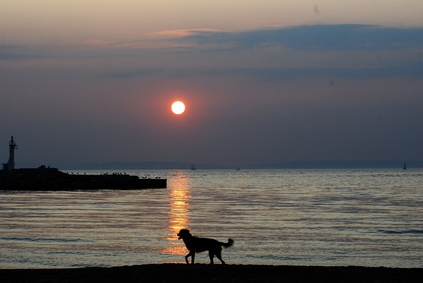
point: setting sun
(178, 107)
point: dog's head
(184, 233)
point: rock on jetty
(51, 179)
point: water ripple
(324, 217)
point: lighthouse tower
(10, 165)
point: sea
(322, 217)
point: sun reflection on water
(179, 194)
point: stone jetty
(51, 179)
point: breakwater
(51, 179)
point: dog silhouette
(198, 245)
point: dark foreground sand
(215, 273)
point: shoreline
(214, 273)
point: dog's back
(198, 245)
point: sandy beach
(215, 273)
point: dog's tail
(228, 244)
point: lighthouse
(10, 165)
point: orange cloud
(185, 32)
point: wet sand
(215, 273)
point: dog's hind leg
(211, 255)
(192, 257)
(219, 256)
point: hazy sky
(264, 81)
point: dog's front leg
(192, 254)
(186, 258)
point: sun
(178, 107)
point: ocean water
(279, 217)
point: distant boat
(193, 168)
(404, 166)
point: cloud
(413, 70)
(316, 38)
(13, 52)
(313, 38)
(99, 42)
(350, 51)
(353, 51)
(8, 56)
(186, 32)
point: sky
(263, 82)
